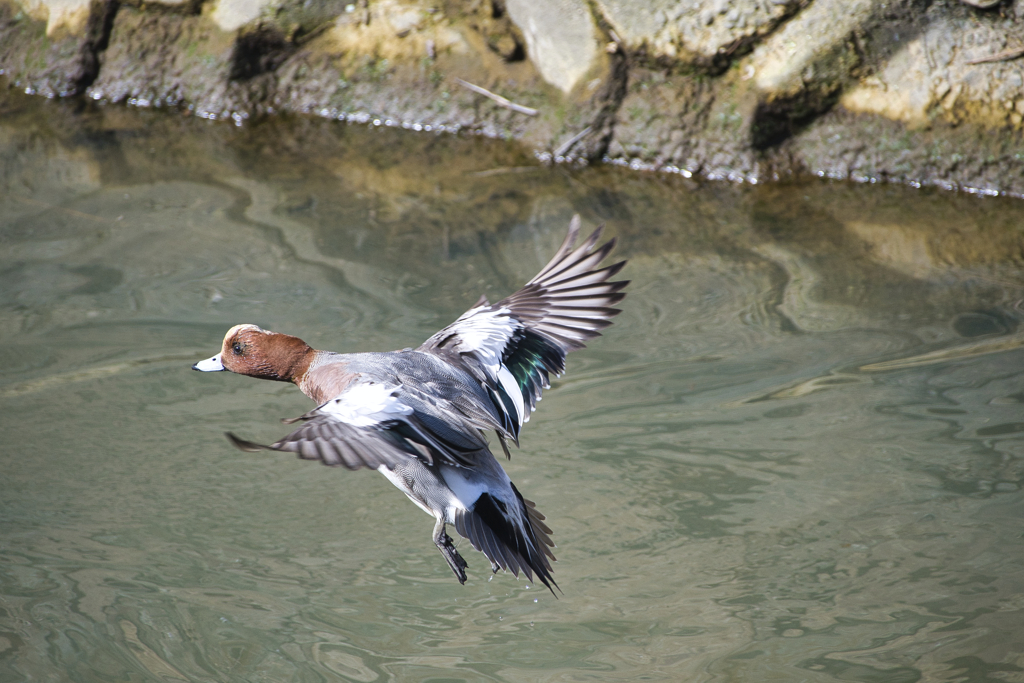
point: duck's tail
(511, 539)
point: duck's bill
(210, 365)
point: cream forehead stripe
(231, 333)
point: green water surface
(797, 455)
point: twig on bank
(1004, 56)
(502, 102)
(567, 145)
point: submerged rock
(920, 92)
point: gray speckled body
(419, 416)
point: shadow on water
(796, 456)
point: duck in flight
(419, 416)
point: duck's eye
(237, 348)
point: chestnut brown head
(249, 350)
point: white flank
(464, 491)
(366, 404)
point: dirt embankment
(921, 92)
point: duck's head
(250, 350)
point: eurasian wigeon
(419, 416)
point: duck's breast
(328, 376)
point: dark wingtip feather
(594, 237)
(243, 445)
(570, 237)
(614, 269)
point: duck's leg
(444, 543)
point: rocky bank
(914, 91)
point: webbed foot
(445, 544)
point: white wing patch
(511, 387)
(486, 333)
(366, 404)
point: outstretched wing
(512, 347)
(372, 424)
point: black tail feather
(523, 544)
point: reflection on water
(796, 456)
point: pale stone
(397, 31)
(561, 39)
(917, 83)
(231, 15)
(808, 38)
(68, 15)
(906, 94)
(634, 23)
(701, 30)
(405, 21)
